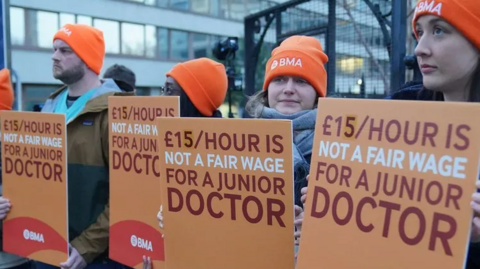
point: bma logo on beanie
(66, 30)
(274, 64)
(300, 56)
(286, 61)
(430, 7)
(464, 15)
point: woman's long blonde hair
(256, 103)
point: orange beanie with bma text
(204, 81)
(86, 41)
(464, 15)
(300, 56)
(6, 90)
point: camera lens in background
(222, 49)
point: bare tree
(346, 6)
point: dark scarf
(303, 125)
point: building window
(258, 5)
(201, 45)
(133, 39)
(179, 4)
(84, 20)
(151, 2)
(200, 6)
(162, 3)
(350, 65)
(47, 27)
(111, 34)
(17, 26)
(215, 7)
(150, 41)
(36, 95)
(162, 42)
(66, 18)
(232, 9)
(142, 91)
(36, 28)
(178, 45)
(147, 2)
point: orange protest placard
(135, 178)
(34, 170)
(390, 185)
(227, 193)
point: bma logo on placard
(33, 236)
(141, 243)
(430, 7)
(286, 61)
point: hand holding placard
(298, 223)
(475, 235)
(4, 207)
(75, 260)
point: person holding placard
(448, 54)
(78, 56)
(295, 77)
(202, 86)
(7, 260)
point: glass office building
(151, 36)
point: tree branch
(365, 45)
(387, 40)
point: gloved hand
(74, 261)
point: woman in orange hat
(448, 54)
(295, 77)
(202, 86)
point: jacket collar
(94, 105)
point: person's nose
(423, 47)
(289, 87)
(56, 56)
